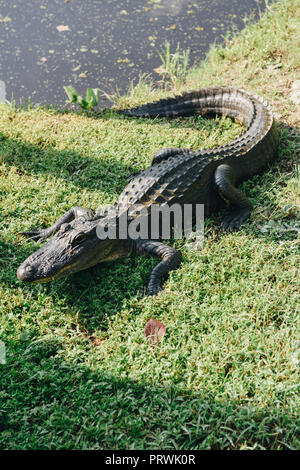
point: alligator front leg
(171, 259)
(41, 234)
(240, 206)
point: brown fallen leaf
(97, 341)
(154, 331)
(160, 70)
(62, 27)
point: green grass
(79, 373)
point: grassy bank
(79, 373)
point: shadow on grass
(85, 172)
(104, 290)
(54, 404)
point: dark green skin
(181, 176)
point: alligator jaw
(59, 257)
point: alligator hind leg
(171, 259)
(240, 206)
(41, 234)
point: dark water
(45, 44)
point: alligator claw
(153, 291)
(35, 234)
(235, 219)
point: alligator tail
(217, 100)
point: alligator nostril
(24, 273)
(64, 228)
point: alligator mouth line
(51, 278)
(42, 280)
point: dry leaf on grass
(160, 70)
(154, 331)
(97, 341)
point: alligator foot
(153, 291)
(234, 220)
(171, 259)
(240, 205)
(36, 234)
(41, 234)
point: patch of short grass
(79, 373)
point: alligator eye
(79, 239)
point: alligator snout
(25, 272)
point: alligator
(176, 176)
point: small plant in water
(174, 66)
(90, 101)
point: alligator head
(76, 246)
